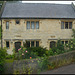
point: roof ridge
(38, 3)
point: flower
(26, 51)
(22, 53)
(30, 57)
(18, 49)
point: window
(7, 44)
(28, 43)
(70, 25)
(32, 24)
(66, 42)
(32, 43)
(7, 25)
(37, 25)
(28, 24)
(17, 21)
(62, 25)
(62, 42)
(37, 43)
(66, 25)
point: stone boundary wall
(20, 66)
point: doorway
(17, 46)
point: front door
(17, 46)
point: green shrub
(24, 53)
(9, 56)
(2, 59)
(60, 46)
(43, 63)
(40, 51)
(50, 52)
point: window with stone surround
(7, 44)
(32, 24)
(7, 24)
(32, 43)
(17, 21)
(64, 42)
(66, 25)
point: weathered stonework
(49, 30)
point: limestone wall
(20, 66)
(49, 29)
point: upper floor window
(66, 25)
(7, 24)
(28, 24)
(37, 25)
(32, 25)
(17, 22)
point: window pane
(62, 42)
(37, 43)
(66, 42)
(66, 25)
(37, 25)
(32, 43)
(7, 44)
(17, 22)
(32, 25)
(28, 24)
(62, 25)
(28, 43)
(70, 25)
(7, 25)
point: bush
(9, 56)
(2, 59)
(60, 46)
(33, 52)
(42, 63)
(24, 53)
(50, 52)
(40, 51)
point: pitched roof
(38, 10)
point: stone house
(36, 24)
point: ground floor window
(28, 43)
(32, 43)
(7, 44)
(64, 42)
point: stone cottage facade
(36, 24)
